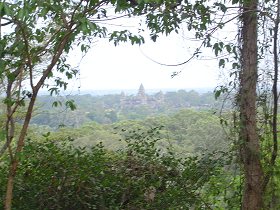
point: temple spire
(141, 91)
(141, 95)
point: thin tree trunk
(10, 184)
(21, 139)
(250, 145)
(15, 160)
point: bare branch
(197, 51)
(9, 21)
(75, 10)
(29, 59)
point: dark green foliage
(55, 175)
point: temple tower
(141, 95)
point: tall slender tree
(247, 55)
(249, 139)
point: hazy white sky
(126, 66)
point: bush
(56, 175)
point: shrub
(56, 175)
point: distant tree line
(186, 131)
(112, 108)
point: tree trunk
(249, 140)
(15, 160)
(10, 185)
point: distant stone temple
(142, 98)
(141, 95)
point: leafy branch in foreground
(36, 37)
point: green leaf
(222, 63)
(228, 48)
(235, 66)
(154, 37)
(219, 90)
(217, 94)
(54, 91)
(56, 104)
(70, 104)
(216, 48)
(223, 7)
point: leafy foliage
(188, 131)
(56, 175)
